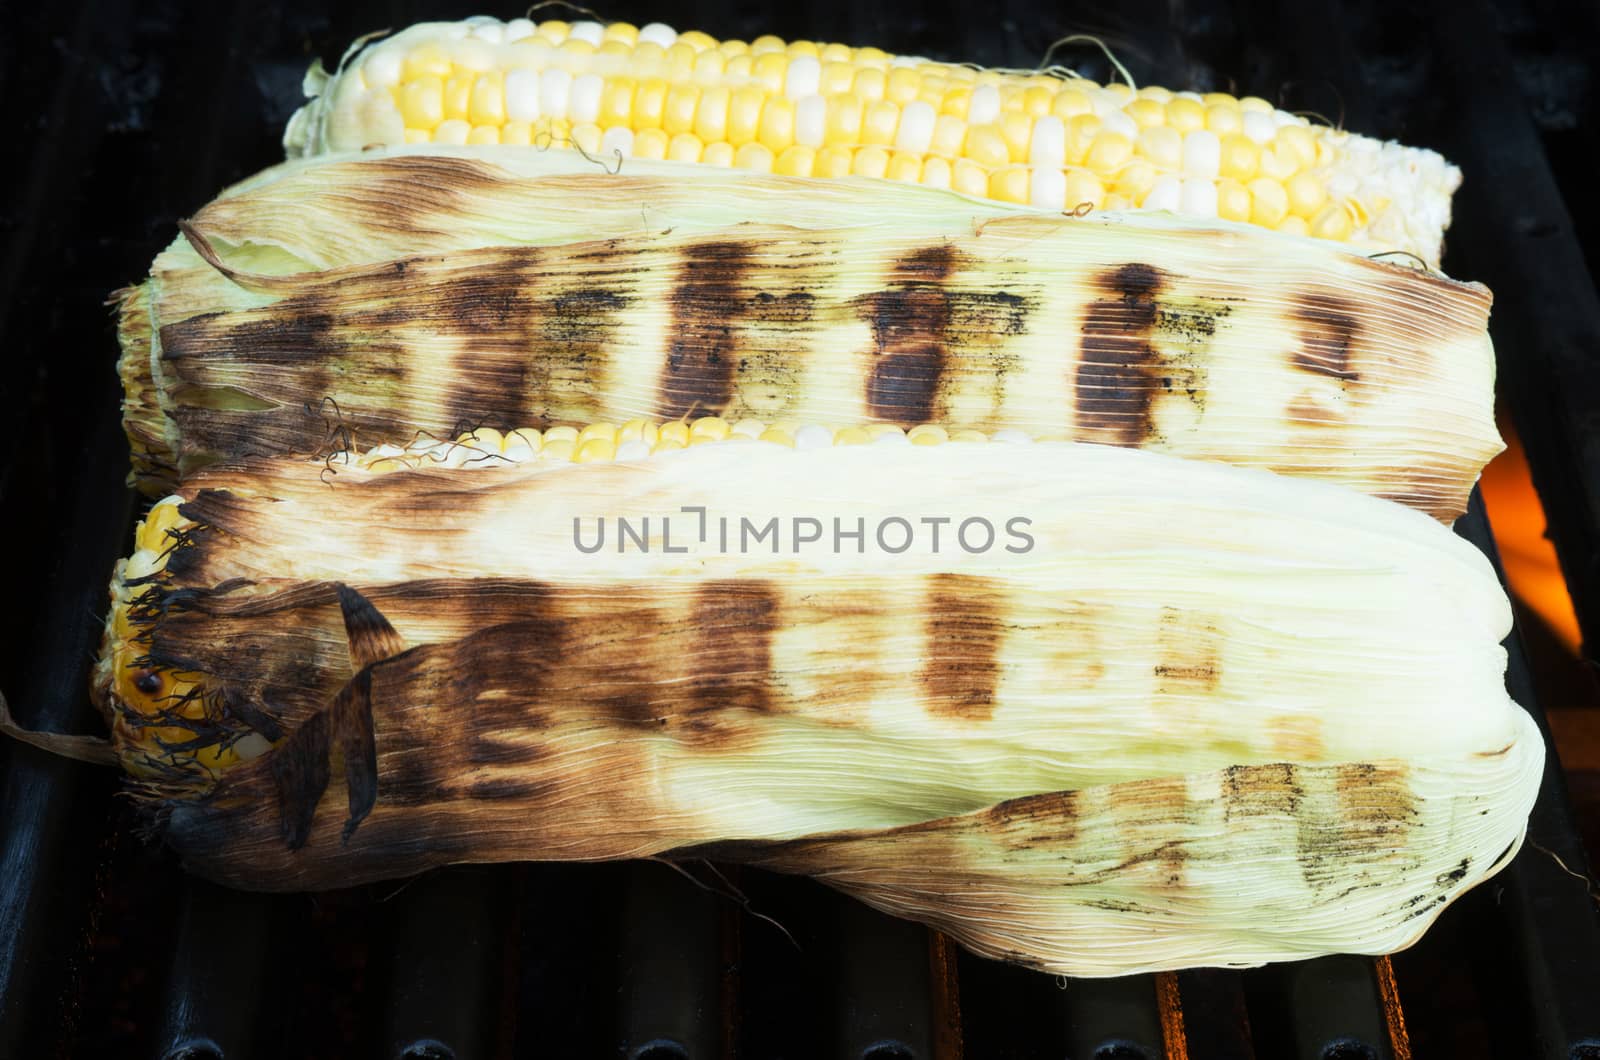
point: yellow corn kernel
(986, 146)
(1016, 128)
(902, 85)
(935, 173)
(710, 66)
(626, 32)
(596, 450)
(836, 78)
(488, 103)
(1009, 184)
(1163, 146)
(718, 154)
(420, 136)
(870, 83)
(769, 69)
(968, 435)
(1332, 222)
(755, 157)
(956, 103)
(1080, 134)
(606, 431)
(927, 434)
(1120, 90)
(836, 53)
(733, 48)
(650, 144)
(452, 131)
(1299, 140)
(586, 138)
(1278, 163)
(744, 115)
(796, 160)
(425, 60)
(1224, 118)
(1269, 203)
(1155, 92)
(903, 165)
(778, 436)
(555, 31)
(833, 161)
(678, 114)
(1239, 156)
(1109, 152)
(638, 431)
(1084, 187)
(1146, 112)
(697, 40)
(776, 130)
(1071, 102)
(667, 445)
(574, 48)
(711, 118)
(765, 43)
(684, 147)
(616, 101)
(519, 133)
(422, 103)
(1233, 200)
(969, 178)
(1306, 195)
(1185, 115)
(457, 98)
(649, 102)
(678, 63)
(710, 427)
(674, 431)
(804, 47)
(484, 134)
(870, 161)
(1113, 201)
(879, 122)
(1135, 179)
(842, 123)
(851, 436)
(1294, 226)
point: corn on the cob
(907, 306)
(828, 110)
(492, 689)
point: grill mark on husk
(1328, 328)
(1118, 372)
(707, 305)
(962, 636)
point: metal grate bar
(670, 967)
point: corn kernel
(422, 106)
(637, 431)
(1084, 187)
(1135, 179)
(1239, 157)
(616, 101)
(1079, 137)
(1294, 226)
(425, 60)
(586, 138)
(1224, 118)
(487, 105)
(1269, 203)
(674, 431)
(1298, 139)
(903, 165)
(1185, 115)
(935, 173)
(1233, 200)
(718, 154)
(1256, 103)
(870, 83)
(574, 48)
(626, 32)
(902, 85)
(957, 102)
(1306, 195)
(949, 133)
(678, 63)
(1163, 146)
(684, 147)
(744, 115)
(748, 428)
(769, 69)
(1154, 92)
(697, 40)
(1071, 102)
(1146, 112)
(710, 427)
(457, 98)
(765, 43)
(1278, 163)
(776, 130)
(851, 436)
(1332, 222)
(597, 450)
(519, 133)
(969, 178)
(879, 122)
(968, 435)
(452, 131)
(679, 112)
(667, 445)
(870, 161)
(756, 157)
(606, 431)
(711, 117)
(710, 66)
(484, 134)
(927, 434)
(650, 144)
(560, 451)
(1016, 128)
(1010, 184)
(1109, 152)
(986, 146)
(833, 161)
(804, 47)
(418, 136)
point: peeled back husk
(380, 297)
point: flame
(1527, 555)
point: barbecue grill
(128, 116)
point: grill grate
(133, 114)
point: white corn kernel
(522, 95)
(1202, 155)
(1048, 147)
(593, 32)
(555, 85)
(803, 77)
(810, 121)
(984, 106)
(1047, 188)
(584, 100)
(658, 33)
(1198, 198)
(1165, 194)
(813, 436)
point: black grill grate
(129, 115)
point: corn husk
(365, 673)
(393, 294)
